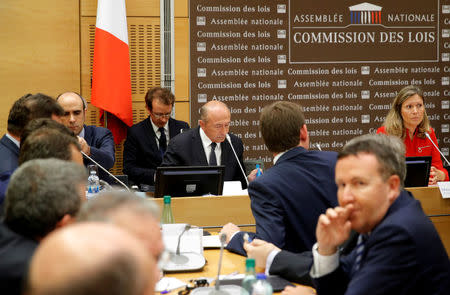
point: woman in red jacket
(408, 120)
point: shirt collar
(16, 142)
(277, 157)
(205, 139)
(82, 133)
(156, 128)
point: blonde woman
(408, 120)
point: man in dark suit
(96, 142)
(58, 187)
(208, 144)
(398, 249)
(26, 108)
(289, 197)
(147, 140)
(10, 142)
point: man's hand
(252, 175)
(259, 250)
(85, 148)
(298, 290)
(333, 228)
(229, 229)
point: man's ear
(394, 187)
(65, 220)
(201, 123)
(304, 137)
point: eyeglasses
(192, 285)
(159, 115)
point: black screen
(417, 171)
(185, 181)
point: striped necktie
(360, 245)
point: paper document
(444, 187)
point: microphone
(429, 137)
(178, 258)
(237, 159)
(109, 173)
(318, 146)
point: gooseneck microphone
(178, 258)
(109, 173)
(237, 159)
(429, 137)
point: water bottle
(167, 215)
(262, 286)
(250, 277)
(93, 183)
(258, 170)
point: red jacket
(422, 147)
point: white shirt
(207, 147)
(81, 133)
(158, 133)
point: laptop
(417, 171)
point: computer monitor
(417, 171)
(185, 181)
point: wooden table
(231, 262)
(217, 211)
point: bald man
(207, 144)
(96, 142)
(136, 215)
(91, 258)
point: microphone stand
(178, 258)
(216, 290)
(237, 159)
(109, 173)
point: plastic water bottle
(250, 277)
(262, 286)
(93, 185)
(167, 215)
(258, 170)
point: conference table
(213, 212)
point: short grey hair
(40, 193)
(389, 151)
(106, 204)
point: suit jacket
(187, 150)
(403, 255)
(288, 198)
(141, 155)
(15, 255)
(102, 146)
(9, 155)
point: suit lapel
(197, 148)
(151, 136)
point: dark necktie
(212, 156)
(360, 245)
(162, 141)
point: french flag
(111, 80)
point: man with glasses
(208, 144)
(147, 140)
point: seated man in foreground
(398, 250)
(91, 258)
(288, 198)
